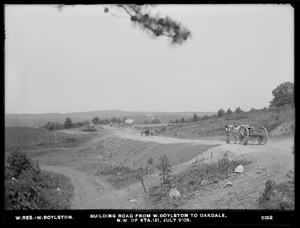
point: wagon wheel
(264, 138)
(244, 134)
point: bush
(68, 123)
(196, 117)
(165, 168)
(195, 178)
(155, 121)
(27, 188)
(221, 112)
(18, 163)
(278, 196)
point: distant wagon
(90, 128)
(147, 132)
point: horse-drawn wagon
(246, 132)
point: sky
(82, 59)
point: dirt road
(134, 134)
(270, 161)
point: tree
(48, 126)
(221, 112)
(182, 120)
(238, 110)
(114, 120)
(124, 119)
(105, 121)
(196, 117)
(155, 121)
(165, 168)
(96, 120)
(68, 123)
(229, 112)
(205, 117)
(155, 26)
(283, 94)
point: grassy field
(36, 138)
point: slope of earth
(126, 147)
(214, 127)
(272, 161)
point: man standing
(227, 130)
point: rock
(258, 172)
(58, 189)
(132, 200)
(228, 183)
(101, 190)
(239, 169)
(174, 193)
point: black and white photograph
(149, 108)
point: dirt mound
(283, 129)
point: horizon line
(106, 111)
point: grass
(196, 178)
(27, 187)
(60, 190)
(35, 138)
(119, 177)
(268, 118)
(278, 196)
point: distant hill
(38, 120)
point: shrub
(278, 196)
(18, 162)
(221, 112)
(27, 188)
(96, 120)
(68, 123)
(155, 121)
(182, 120)
(165, 168)
(196, 117)
(198, 176)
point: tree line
(69, 124)
(282, 95)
